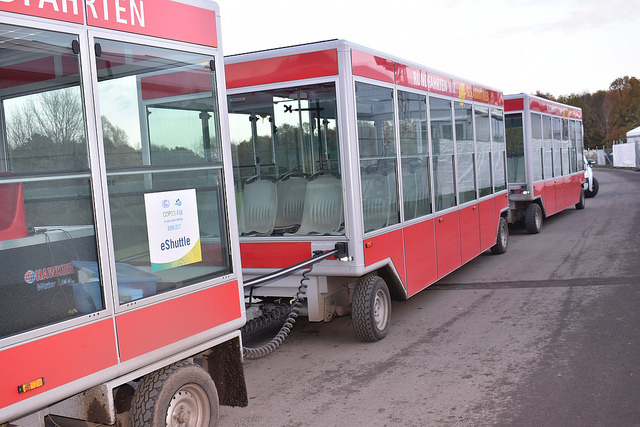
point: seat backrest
(13, 222)
(410, 190)
(323, 213)
(259, 205)
(291, 195)
(376, 201)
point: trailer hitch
(340, 251)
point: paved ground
(544, 335)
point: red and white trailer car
(400, 167)
(120, 283)
(544, 158)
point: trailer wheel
(533, 218)
(502, 240)
(182, 394)
(594, 188)
(371, 309)
(580, 204)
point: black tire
(594, 188)
(371, 309)
(580, 204)
(502, 240)
(180, 394)
(533, 218)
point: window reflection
(414, 147)
(465, 151)
(286, 161)
(499, 150)
(515, 148)
(160, 124)
(443, 153)
(483, 140)
(377, 146)
(46, 216)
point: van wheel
(533, 218)
(503, 238)
(580, 204)
(182, 394)
(594, 188)
(371, 309)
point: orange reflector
(30, 386)
(368, 244)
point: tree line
(607, 114)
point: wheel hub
(188, 407)
(380, 309)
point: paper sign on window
(173, 229)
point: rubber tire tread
(580, 205)
(362, 309)
(499, 248)
(150, 389)
(595, 186)
(530, 218)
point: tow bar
(340, 251)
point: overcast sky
(555, 46)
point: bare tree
(56, 115)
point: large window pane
(557, 147)
(465, 152)
(46, 216)
(442, 152)
(515, 148)
(580, 146)
(414, 150)
(547, 136)
(377, 146)
(158, 106)
(483, 141)
(161, 140)
(499, 150)
(537, 145)
(286, 161)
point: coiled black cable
(285, 330)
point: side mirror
(591, 162)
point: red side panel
(448, 243)
(281, 69)
(161, 18)
(439, 84)
(513, 104)
(153, 327)
(274, 254)
(411, 77)
(374, 67)
(59, 359)
(502, 203)
(385, 246)
(549, 197)
(561, 193)
(69, 12)
(420, 255)
(538, 189)
(577, 181)
(489, 217)
(173, 19)
(469, 232)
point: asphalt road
(547, 334)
